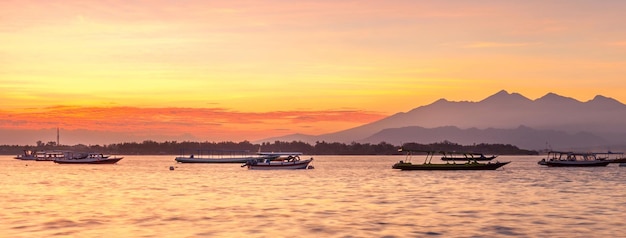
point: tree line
(149, 147)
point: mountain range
(552, 121)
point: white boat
(90, 158)
(572, 159)
(43, 155)
(27, 155)
(203, 156)
(291, 162)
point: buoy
(171, 167)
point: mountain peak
(504, 96)
(600, 98)
(555, 98)
(604, 101)
(441, 100)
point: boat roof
(440, 152)
(570, 152)
(609, 153)
(280, 153)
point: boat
(42, 155)
(28, 155)
(466, 157)
(225, 156)
(89, 158)
(428, 165)
(291, 162)
(613, 157)
(572, 159)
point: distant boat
(427, 165)
(27, 155)
(447, 156)
(291, 162)
(43, 155)
(613, 157)
(572, 159)
(225, 156)
(90, 158)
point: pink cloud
(200, 122)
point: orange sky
(246, 70)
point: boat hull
(617, 161)
(558, 163)
(466, 166)
(19, 157)
(89, 161)
(301, 164)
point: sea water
(344, 196)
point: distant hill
(504, 117)
(523, 137)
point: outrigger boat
(225, 156)
(427, 165)
(292, 161)
(572, 159)
(90, 158)
(466, 157)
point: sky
(248, 70)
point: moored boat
(466, 166)
(427, 165)
(225, 156)
(90, 158)
(572, 159)
(612, 157)
(43, 155)
(28, 155)
(291, 162)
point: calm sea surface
(344, 196)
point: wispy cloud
(216, 123)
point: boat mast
(58, 136)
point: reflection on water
(344, 196)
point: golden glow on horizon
(307, 56)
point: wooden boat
(572, 159)
(291, 162)
(225, 156)
(466, 157)
(91, 158)
(427, 165)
